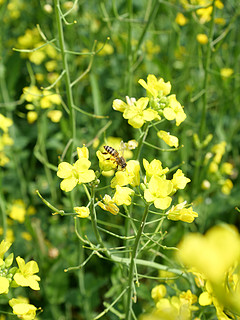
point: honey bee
(119, 160)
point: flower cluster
(174, 307)
(214, 260)
(156, 105)
(5, 139)
(218, 171)
(37, 100)
(24, 275)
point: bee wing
(122, 148)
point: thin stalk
(132, 263)
(204, 109)
(129, 49)
(66, 77)
(142, 140)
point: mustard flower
(5, 140)
(32, 116)
(202, 38)
(31, 94)
(211, 254)
(49, 99)
(158, 292)
(123, 196)
(179, 181)
(226, 72)
(3, 159)
(154, 168)
(22, 308)
(37, 56)
(174, 110)
(18, 211)
(25, 276)
(158, 192)
(227, 168)
(82, 212)
(180, 212)
(108, 205)
(181, 19)
(219, 150)
(131, 175)
(155, 87)
(4, 285)
(77, 173)
(4, 246)
(5, 123)
(136, 112)
(105, 162)
(170, 140)
(227, 186)
(55, 115)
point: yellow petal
(64, 170)
(68, 184)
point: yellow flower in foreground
(181, 19)
(82, 212)
(131, 175)
(158, 192)
(4, 285)
(179, 212)
(123, 196)
(77, 173)
(226, 72)
(211, 254)
(137, 114)
(156, 87)
(179, 180)
(174, 111)
(23, 309)
(154, 168)
(25, 276)
(170, 140)
(5, 123)
(108, 205)
(202, 38)
(18, 211)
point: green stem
(129, 49)
(67, 78)
(206, 72)
(142, 140)
(132, 263)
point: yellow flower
(32, 116)
(131, 175)
(227, 186)
(25, 276)
(219, 150)
(31, 94)
(155, 87)
(158, 192)
(51, 65)
(5, 140)
(123, 196)
(227, 168)
(27, 236)
(170, 140)
(18, 211)
(179, 181)
(3, 159)
(107, 49)
(77, 173)
(158, 292)
(23, 309)
(179, 212)
(49, 99)
(82, 212)
(4, 285)
(4, 246)
(108, 205)
(202, 38)
(55, 115)
(174, 111)
(154, 168)
(37, 56)
(211, 254)
(226, 72)
(5, 123)
(181, 19)
(83, 152)
(137, 114)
